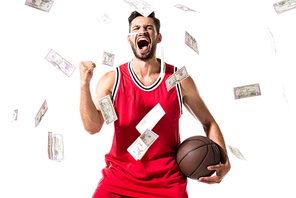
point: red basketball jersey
(157, 173)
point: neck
(144, 69)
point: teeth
(141, 39)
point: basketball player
(135, 88)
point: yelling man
(135, 88)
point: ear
(128, 38)
(159, 38)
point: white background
(235, 50)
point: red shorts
(106, 194)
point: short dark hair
(135, 14)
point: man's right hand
(86, 71)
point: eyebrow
(149, 25)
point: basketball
(195, 154)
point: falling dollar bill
(50, 145)
(283, 6)
(191, 42)
(272, 41)
(236, 152)
(176, 78)
(41, 113)
(15, 115)
(108, 59)
(151, 119)
(55, 147)
(59, 62)
(107, 109)
(104, 19)
(247, 91)
(140, 146)
(141, 6)
(184, 8)
(43, 5)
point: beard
(144, 57)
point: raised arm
(195, 105)
(90, 111)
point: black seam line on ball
(200, 163)
(194, 150)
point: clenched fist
(86, 69)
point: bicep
(104, 87)
(194, 103)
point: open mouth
(143, 44)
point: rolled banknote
(191, 42)
(151, 119)
(283, 6)
(108, 59)
(107, 109)
(15, 115)
(141, 6)
(236, 152)
(104, 19)
(176, 78)
(247, 91)
(60, 63)
(140, 146)
(184, 8)
(41, 113)
(50, 145)
(43, 5)
(57, 147)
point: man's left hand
(221, 171)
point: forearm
(214, 133)
(91, 118)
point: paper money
(283, 6)
(107, 109)
(59, 62)
(272, 41)
(104, 19)
(184, 8)
(55, 147)
(151, 119)
(236, 152)
(41, 113)
(141, 6)
(14, 116)
(43, 5)
(140, 146)
(247, 91)
(108, 59)
(50, 145)
(191, 42)
(176, 78)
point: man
(135, 88)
